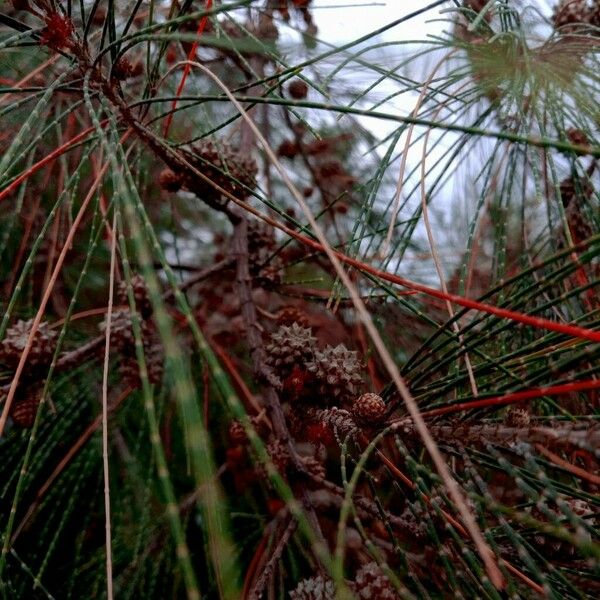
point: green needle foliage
(193, 403)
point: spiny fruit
(314, 588)
(290, 345)
(371, 583)
(42, 345)
(369, 409)
(338, 374)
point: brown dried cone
(42, 345)
(579, 226)
(517, 416)
(261, 244)
(25, 405)
(270, 275)
(371, 583)
(570, 13)
(314, 467)
(292, 314)
(298, 89)
(123, 341)
(314, 588)
(124, 69)
(338, 420)
(288, 149)
(237, 434)
(577, 137)
(289, 346)
(229, 169)
(572, 192)
(369, 409)
(170, 181)
(267, 29)
(140, 295)
(595, 15)
(338, 373)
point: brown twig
(266, 572)
(567, 466)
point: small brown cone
(169, 180)
(369, 409)
(25, 406)
(298, 89)
(237, 434)
(517, 416)
(292, 314)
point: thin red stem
(539, 322)
(514, 397)
(47, 160)
(188, 66)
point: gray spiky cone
(338, 373)
(290, 345)
(371, 583)
(42, 345)
(314, 588)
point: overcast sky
(344, 20)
